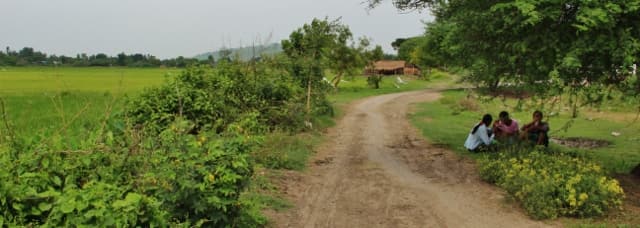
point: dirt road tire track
(375, 170)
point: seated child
(536, 131)
(480, 136)
(505, 128)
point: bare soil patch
(631, 186)
(582, 143)
(623, 117)
(507, 92)
(630, 183)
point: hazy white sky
(170, 28)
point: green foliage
(347, 59)
(312, 49)
(374, 81)
(553, 185)
(214, 99)
(439, 48)
(580, 39)
(372, 56)
(528, 43)
(199, 178)
(408, 47)
(176, 178)
(435, 75)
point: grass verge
(448, 120)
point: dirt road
(377, 171)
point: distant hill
(245, 53)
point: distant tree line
(27, 56)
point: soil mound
(582, 143)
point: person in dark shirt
(536, 131)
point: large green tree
(345, 57)
(532, 41)
(440, 47)
(408, 47)
(311, 49)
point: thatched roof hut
(392, 67)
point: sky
(171, 28)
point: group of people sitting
(506, 131)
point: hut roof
(389, 65)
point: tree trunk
(637, 83)
(575, 108)
(309, 96)
(336, 80)
(494, 85)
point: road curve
(375, 170)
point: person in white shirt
(481, 135)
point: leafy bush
(433, 74)
(553, 185)
(176, 178)
(374, 81)
(214, 98)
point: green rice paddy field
(40, 101)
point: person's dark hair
(504, 114)
(486, 120)
(538, 112)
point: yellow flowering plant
(553, 185)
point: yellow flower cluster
(553, 185)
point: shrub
(434, 74)
(374, 81)
(174, 178)
(199, 178)
(214, 98)
(549, 186)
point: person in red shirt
(505, 128)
